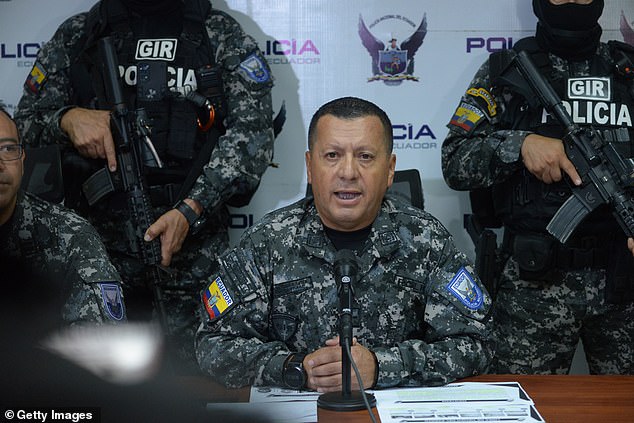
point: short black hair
(4, 111)
(351, 108)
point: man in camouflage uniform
(419, 314)
(51, 248)
(206, 89)
(550, 294)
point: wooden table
(576, 399)
(559, 399)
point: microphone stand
(346, 400)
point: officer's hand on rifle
(546, 157)
(89, 131)
(630, 245)
(172, 227)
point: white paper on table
(458, 402)
(280, 405)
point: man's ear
(390, 174)
(307, 160)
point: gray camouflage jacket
(241, 155)
(56, 246)
(420, 310)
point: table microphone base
(331, 405)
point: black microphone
(346, 270)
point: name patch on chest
(589, 89)
(161, 49)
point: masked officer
(550, 294)
(270, 314)
(201, 89)
(52, 250)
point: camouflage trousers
(538, 325)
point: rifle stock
(604, 174)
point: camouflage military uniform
(54, 245)
(419, 309)
(539, 320)
(236, 165)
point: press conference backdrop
(317, 52)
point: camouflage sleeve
(244, 152)
(47, 90)
(477, 153)
(232, 344)
(457, 340)
(93, 284)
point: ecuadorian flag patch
(36, 78)
(466, 117)
(216, 298)
(464, 288)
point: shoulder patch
(484, 97)
(255, 69)
(466, 117)
(112, 300)
(35, 79)
(217, 299)
(464, 288)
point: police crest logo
(217, 298)
(112, 301)
(253, 68)
(464, 288)
(626, 29)
(392, 63)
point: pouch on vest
(535, 255)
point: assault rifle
(605, 176)
(129, 131)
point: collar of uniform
(384, 238)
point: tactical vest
(603, 100)
(157, 74)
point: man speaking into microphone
(271, 315)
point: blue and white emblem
(464, 288)
(112, 301)
(254, 68)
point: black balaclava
(568, 30)
(153, 7)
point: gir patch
(466, 117)
(464, 288)
(112, 301)
(216, 298)
(254, 68)
(36, 78)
